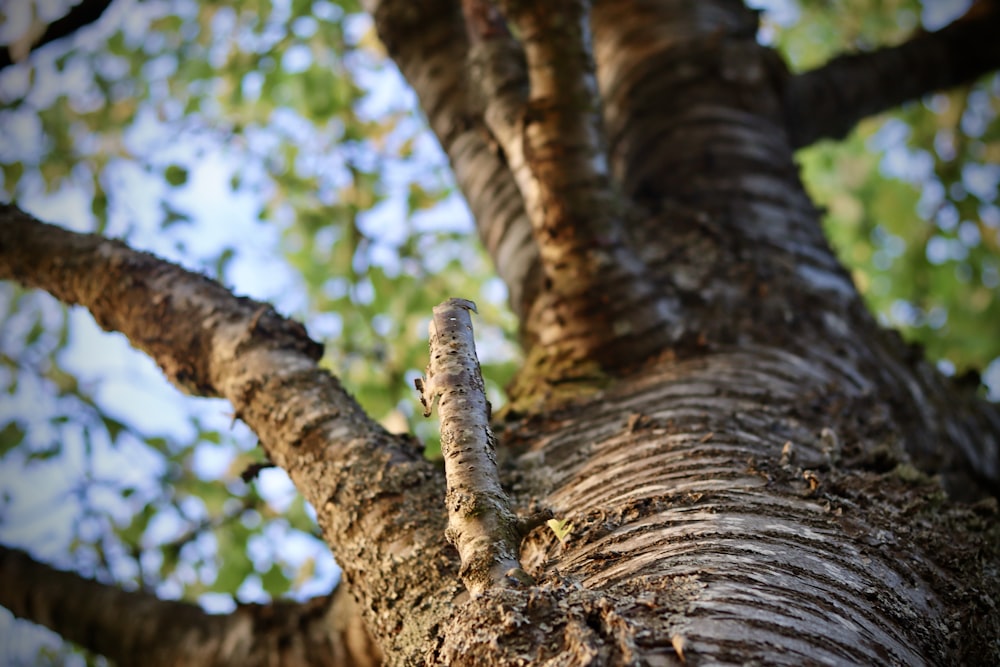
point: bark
(481, 524)
(779, 483)
(209, 342)
(752, 494)
(730, 226)
(690, 529)
(428, 42)
(137, 628)
(597, 305)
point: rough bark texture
(208, 342)
(734, 502)
(597, 305)
(429, 44)
(780, 483)
(481, 524)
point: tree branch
(499, 79)
(827, 102)
(481, 524)
(137, 628)
(82, 15)
(557, 140)
(354, 473)
(552, 136)
(151, 301)
(428, 42)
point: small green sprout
(561, 528)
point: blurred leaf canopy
(912, 195)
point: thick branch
(564, 176)
(499, 80)
(826, 103)
(481, 524)
(151, 301)
(552, 136)
(80, 16)
(428, 42)
(349, 468)
(137, 628)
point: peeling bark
(689, 525)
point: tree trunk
(748, 470)
(749, 504)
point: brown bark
(207, 341)
(481, 524)
(429, 43)
(731, 227)
(597, 304)
(691, 528)
(137, 628)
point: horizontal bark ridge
(712, 491)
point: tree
(740, 464)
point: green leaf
(113, 426)
(47, 453)
(560, 528)
(223, 261)
(171, 215)
(274, 581)
(175, 175)
(235, 568)
(10, 437)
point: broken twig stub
(481, 524)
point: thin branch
(499, 77)
(827, 102)
(78, 17)
(207, 341)
(251, 472)
(148, 299)
(428, 42)
(481, 524)
(137, 628)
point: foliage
(561, 528)
(912, 196)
